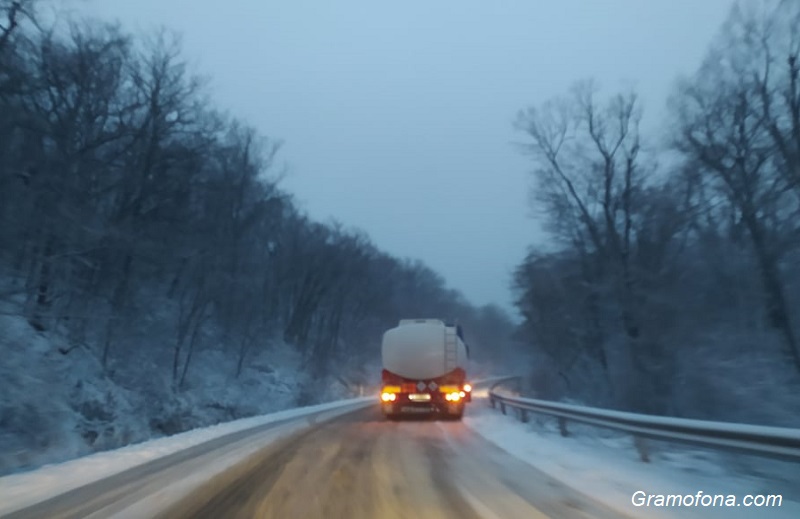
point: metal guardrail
(774, 442)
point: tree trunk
(192, 340)
(117, 308)
(774, 296)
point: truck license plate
(417, 410)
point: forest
(673, 282)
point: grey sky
(396, 116)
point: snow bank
(57, 401)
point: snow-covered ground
(21, 490)
(57, 402)
(606, 467)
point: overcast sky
(397, 116)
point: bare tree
(14, 12)
(736, 120)
(588, 180)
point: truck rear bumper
(422, 409)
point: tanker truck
(423, 369)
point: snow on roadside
(609, 471)
(24, 489)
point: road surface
(361, 466)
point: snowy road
(355, 465)
(360, 466)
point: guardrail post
(562, 426)
(503, 407)
(523, 415)
(641, 446)
(491, 401)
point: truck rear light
(388, 397)
(467, 388)
(453, 397)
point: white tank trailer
(424, 369)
